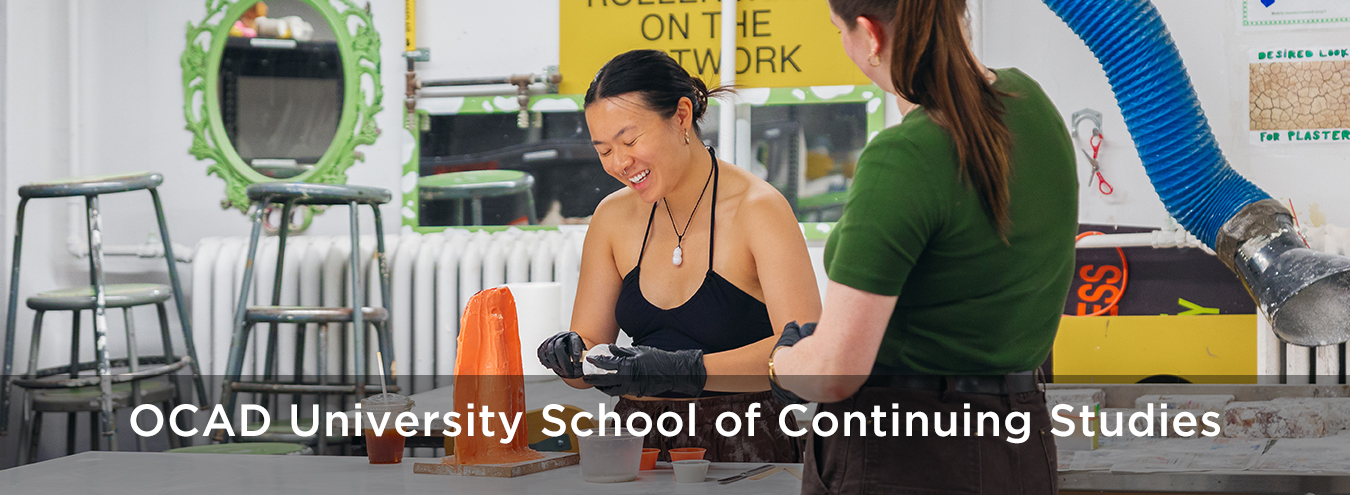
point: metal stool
(289, 195)
(97, 297)
(475, 185)
(54, 395)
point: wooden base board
(551, 460)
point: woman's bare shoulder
(616, 210)
(757, 199)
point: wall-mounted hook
(1086, 114)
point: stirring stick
(379, 361)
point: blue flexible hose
(1163, 114)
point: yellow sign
(780, 42)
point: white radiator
(431, 278)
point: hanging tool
(1094, 118)
(1102, 186)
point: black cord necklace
(678, 256)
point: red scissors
(1096, 169)
(1102, 185)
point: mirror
(281, 90)
(804, 141)
(569, 181)
(809, 152)
(280, 87)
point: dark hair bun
(700, 96)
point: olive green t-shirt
(969, 303)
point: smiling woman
(702, 326)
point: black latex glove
(562, 354)
(643, 371)
(792, 334)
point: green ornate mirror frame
(359, 47)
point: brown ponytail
(931, 66)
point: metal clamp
(418, 55)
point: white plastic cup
(691, 471)
(610, 458)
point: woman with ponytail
(696, 259)
(948, 270)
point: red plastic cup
(648, 459)
(687, 453)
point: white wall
(473, 38)
(1029, 36)
(4, 188)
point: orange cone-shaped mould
(488, 373)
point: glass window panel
(807, 151)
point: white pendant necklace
(677, 257)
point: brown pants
(769, 444)
(934, 465)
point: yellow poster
(780, 42)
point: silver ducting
(1304, 293)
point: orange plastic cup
(648, 459)
(385, 448)
(686, 453)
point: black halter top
(718, 317)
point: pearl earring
(874, 60)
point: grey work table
(110, 473)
